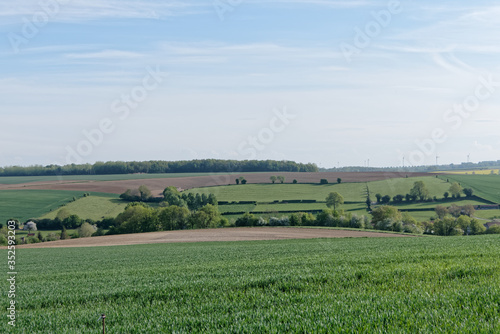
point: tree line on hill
(156, 167)
(417, 169)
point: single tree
(398, 199)
(441, 211)
(446, 195)
(145, 193)
(339, 180)
(64, 234)
(419, 191)
(281, 179)
(468, 192)
(333, 199)
(386, 199)
(379, 198)
(455, 190)
(86, 230)
(273, 179)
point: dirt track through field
(226, 234)
(158, 185)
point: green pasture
(27, 204)
(283, 192)
(402, 186)
(352, 192)
(380, 285)
(93, 207)
(447, 203)
(488, 214)
(485, 186)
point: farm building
(493, 223)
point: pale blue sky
(227, 75)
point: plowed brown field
(158, 185)
(223, 234)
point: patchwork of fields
(395, 285)
(272, 199)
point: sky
(332, 82)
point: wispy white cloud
(105, 54)
(89, 10)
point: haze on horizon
(329, 82)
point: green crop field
(414, 285)
(488, 214)
(94, 207)
(114, 177)
(393, 187)
(352, 192)
(447, 203)
(271, 192)
(26, 204)
(485, 186)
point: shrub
(262, 222)
(411, 228)
(51, 237)
(98, 233)
(32, 240)
(3, 240)
(357, 222)
(323, 181)
(283, 221)
(495, 229)
(86, 230)
(295, 182)
(248, 219)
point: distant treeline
(156, 167)
(418, 169)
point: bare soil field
(158, 185)
(221, 234)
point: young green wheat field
(400, 285)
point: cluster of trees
(192, 166)
(139, 217)
(449, 226)
(325, 181)
(172, 196)
(327, 217)
(389, 218)
(281, 179)
(142, 194)
(455, 211)
(241, 180)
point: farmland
(445, 285)
(273, 198)
(485, 186)
(112, 177)
(26, 204)
(157, 183)
(94, 207)
(474, 172)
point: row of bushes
(235, 202)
